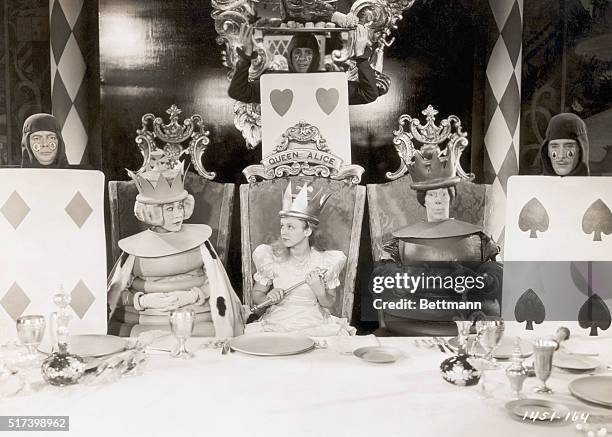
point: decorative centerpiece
(61, 367)
(457, 369)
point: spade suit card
(538, 291)
(318, 99)
(558, 219)
(52, 227)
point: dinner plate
(378, 354)
(595, 389)
(540, 410)
(574, 362)
(91, 345)
(268, 344)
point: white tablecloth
(319, 393)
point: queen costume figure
(291, 261)
(443, 249)
(171, 265)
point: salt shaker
(517, 372)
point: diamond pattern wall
(503, 105)
(68, 69)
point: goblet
(30, 331)
(543, 352)
(181, 324)
(490, 332)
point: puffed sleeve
(334, 261)
(263, 258)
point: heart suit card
(319, 99)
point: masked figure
(443, 248)
(565, 151)
(304, 57)
(294, 261)
(42, 145)
(171, 265)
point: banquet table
(319, 393)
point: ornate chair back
(340, 227)
(162, 145)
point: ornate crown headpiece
(160, 186)
(301, 206)
(430, 166)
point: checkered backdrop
(502, 106)
(68, 72)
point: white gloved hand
(344, 20)
(158, 301)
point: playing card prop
(556, 230)
(52, 227)
(319, 100)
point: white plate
(574, 362)
(378, 354)
(596, 389)
(268, 344)
(541, 410)
(91, 345)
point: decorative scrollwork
(247, 118)
(302, 133)
(303, 151)
(430, 136)
(162, 145)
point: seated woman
(303, 57)
(171, 265)
(293, 260)
(441, 247)
(42, 145)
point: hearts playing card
(318, 99)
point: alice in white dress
(299, 311)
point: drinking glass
(181, 324)
(30, 331)
(543, 353)
(490, 332)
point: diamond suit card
(52, 227)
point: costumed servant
(440, 247)
(565, 150)
(291, 261)
(42, 145)
(171, 265)
(303, 57)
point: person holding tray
(299, 280)
(304, 57)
